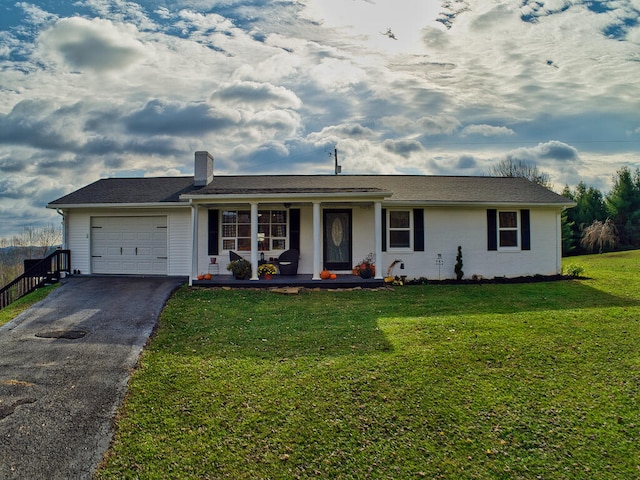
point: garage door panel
(158, 268)
(129, 245)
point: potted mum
(240, 268)
(366, 268)
(267, 270)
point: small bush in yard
(574, 270)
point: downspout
(559, 242)
(65, 245)
(194, 241)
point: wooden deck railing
(36, 275)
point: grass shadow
(260, 324)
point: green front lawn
(537, 380)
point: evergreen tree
(623, 206)
(590, 207)
(568, 245)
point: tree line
(603, 222)
(32, 242)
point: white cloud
(486, 131)
(120, 11)
(367, 22)
(36, 15)
(255, 93)
(404, 148)
(553, 150)
(204, 23)
(95, 45)
(334, 134)
(336, 74)
(440, 125)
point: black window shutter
(294, 228)
(418, 230)
(492, 229)
(526, 229)
(384, 230)
(213, 245)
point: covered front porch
(356, 214)
(300, 280)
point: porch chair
(288, 262)
(234, 256)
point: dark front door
(337, 239)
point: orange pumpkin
(200, 277)
(207, 276)
(325, 274)
(333, 276)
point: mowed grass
(16, 308)
(537, 380)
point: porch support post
(317, 261)
(377, 234)
(194, 243)
(254, 241)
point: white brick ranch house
(507, 227)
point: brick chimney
(203, 172)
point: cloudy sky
(104, 88)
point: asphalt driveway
(64, 368)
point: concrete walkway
(64, 368)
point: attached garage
(129, 245)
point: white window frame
(231, 242)
(409, 229)
(516, 229)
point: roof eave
(117, 205)
(287, 197)
(453, 203)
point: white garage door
(129, 245)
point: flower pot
(366, 273)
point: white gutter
(286, 197)
(119, 205)
(446, 203)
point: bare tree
(32, 242)
(514, 167)
(37, 241)
(600, 235)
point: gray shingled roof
(129, 190)
(403, 188)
